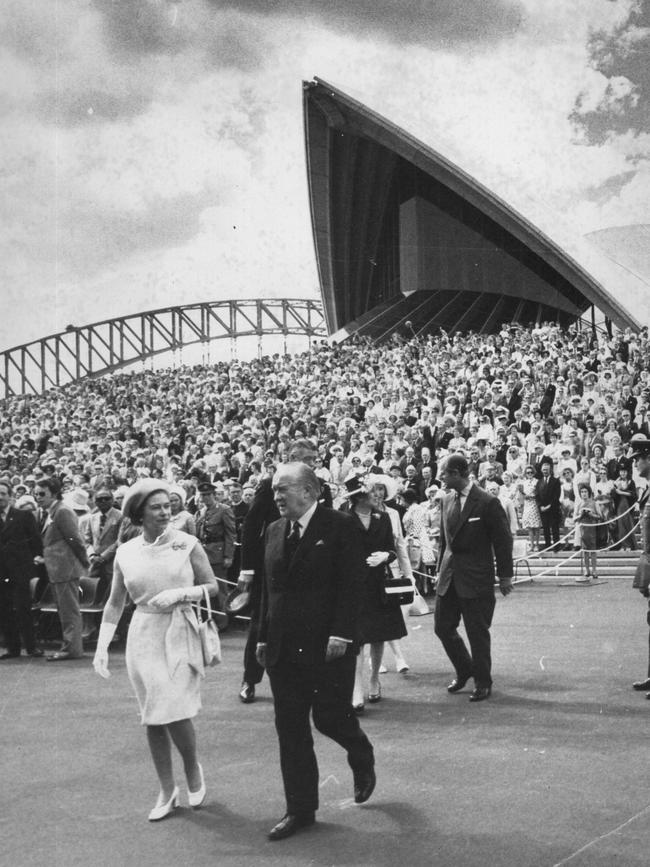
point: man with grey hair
(313, 561)
(261, 513)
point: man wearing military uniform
(215, 528)
(240, 510)
(641, 457)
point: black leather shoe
(458, 683)
(9, 655)
(364, 784)
(247, 693)
(481, 693)
(642, 685)
(291, 823)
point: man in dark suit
(313, 561)
(20, 542)
(263, 512)
(549, 491)
(474, 530)
(641, 457)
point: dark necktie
(293, 539)
(454, 514)
(102, 523)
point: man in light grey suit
(474, 531)
(65, 558)
(100, 535)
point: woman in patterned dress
(531, 519)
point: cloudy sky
(152, 150)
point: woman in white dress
(163, 571)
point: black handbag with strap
(396, 592)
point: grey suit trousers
(66, 594)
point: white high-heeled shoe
(164, 808)
(198, 797)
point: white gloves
(167, 598)
(100, 660)
(377, 558)
(245, 580)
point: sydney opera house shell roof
(404, 235)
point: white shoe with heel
(197, 798)
(164, 808)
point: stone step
(614, 573)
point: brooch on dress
(179, 546)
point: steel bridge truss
(102, 347)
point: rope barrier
(551, 548)
(583, 524)
(577, 553)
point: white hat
(77, 500)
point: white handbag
(208, 632)
(419, 606)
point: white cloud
(187, 181)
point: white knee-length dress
(163, 649)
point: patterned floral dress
(530, 516)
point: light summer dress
(163, 649)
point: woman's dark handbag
(396, 592)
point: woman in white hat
(377, 624)
(163, 571)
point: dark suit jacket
(316, 595)
(262, 512)
(20, 542)
(549, 495)
(467, 555)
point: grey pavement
(552, 770)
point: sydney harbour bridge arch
(102, 347)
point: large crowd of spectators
(508, 401)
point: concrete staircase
(555, 566)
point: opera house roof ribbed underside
(404, 235)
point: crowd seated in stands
(520, 398)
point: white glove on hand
(168, 598)
(377, 558)
(100, 660)
(244, 581)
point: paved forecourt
(551, 770)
